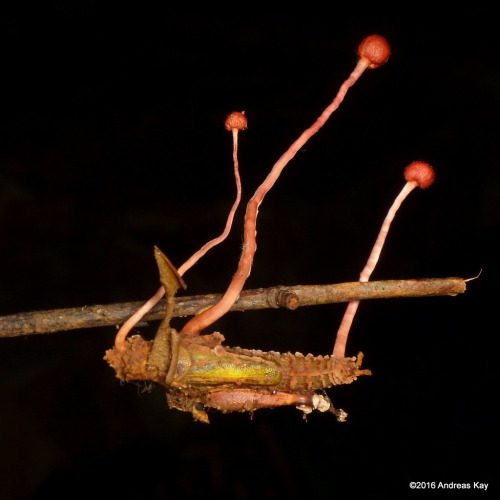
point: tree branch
(291, 297)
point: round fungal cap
(236, 120)
(375, 50)
(421, 173)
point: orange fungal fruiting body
(236, 120)
(421, 173)
(375, 50)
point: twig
(263, 298)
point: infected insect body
(201, 372)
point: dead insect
(200, 372)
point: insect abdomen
(309, 373)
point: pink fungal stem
(209, 316)
(235, 122)
(125, 329)
(205, 248)
(418, 174)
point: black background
(112, 141)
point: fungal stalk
(373, 52)
(235, 122)
(419, 174)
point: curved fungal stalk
(373, 52)
(125, 329)
(419, 174)
(235, 122)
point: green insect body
(200, 372)
(208, 374)
(221, 367)
(205, 361)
